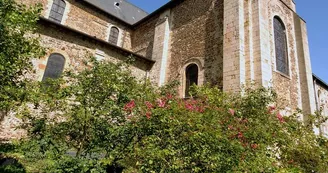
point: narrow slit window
(281, 46)
(57, 11)
(55, 66)
(113, 35)
(191, 78)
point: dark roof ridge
(320, 80)
(120, 9)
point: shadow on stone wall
(213, 64)
(77, 46)
(197, 30)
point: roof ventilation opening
(116, 4)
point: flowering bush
(103, 122)
(218, 132)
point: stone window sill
(283, 75)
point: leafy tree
(70, 126)
(105, 120)
(18, 46)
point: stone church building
(226, 43)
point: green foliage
(102, 118)
(17, 48)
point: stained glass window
(191, 77)
(113, 35)
(55, 66)
(57, 10)
(281, 46)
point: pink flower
(254, 146)
(201, 109)
(271, 108)
(169, 96)
(245, 120)
(129, 106)
(230, 127)
(148, 115)
(161, 103)
(280, 118)
(232, 112)
(189, 106)
(240, 135)
(149, 105)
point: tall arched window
(191, 77)
(57, 10)
(113, 35)
(280, 46)
(55, 66)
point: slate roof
(320, 81)
(121, 9)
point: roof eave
(122, 50)
(322, 82)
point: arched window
(280, 46)
(57, 10)
(113, 35)
(55, 66)
(191, 77)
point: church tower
(265, 42)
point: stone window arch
(192, 72)
(57, 10)
(55, 66)
(281, 49)
(113, 35)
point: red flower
(148, 115)
(189, 106)
(161, 103)
(280, 118)
(254, 146)
(149, 105)
(291, 161)
(240, 135)
(129, 106)
(169, 96)
(201, 109)
(232, 112)
(271, 108)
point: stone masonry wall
(305, 69)
(75, 49)
(197, 37)
(287, 86)
(322, 103)
(143, 37)
(87, 19)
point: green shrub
(106, 118)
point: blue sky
(314, 12)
